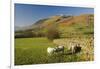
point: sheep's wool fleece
(50, 50)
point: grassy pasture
(34, 51)
(31, 50)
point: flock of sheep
(73, 48)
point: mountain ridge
(61, 20)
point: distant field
(34, 51)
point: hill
(66, 25)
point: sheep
(50, 50)
(60, 49)
(75, 48)
(57, 49)
(72, 49)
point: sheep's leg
(73, 50)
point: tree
(52, 33)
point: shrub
(52, 33)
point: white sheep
(72, 49)
(51, 50)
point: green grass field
(31, 50)
(34, 51)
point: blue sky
(27, 14)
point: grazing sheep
(60, 49)
(50, 50)
(75, 48)
(72, 49)
(55, 50)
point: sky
(28, 14)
